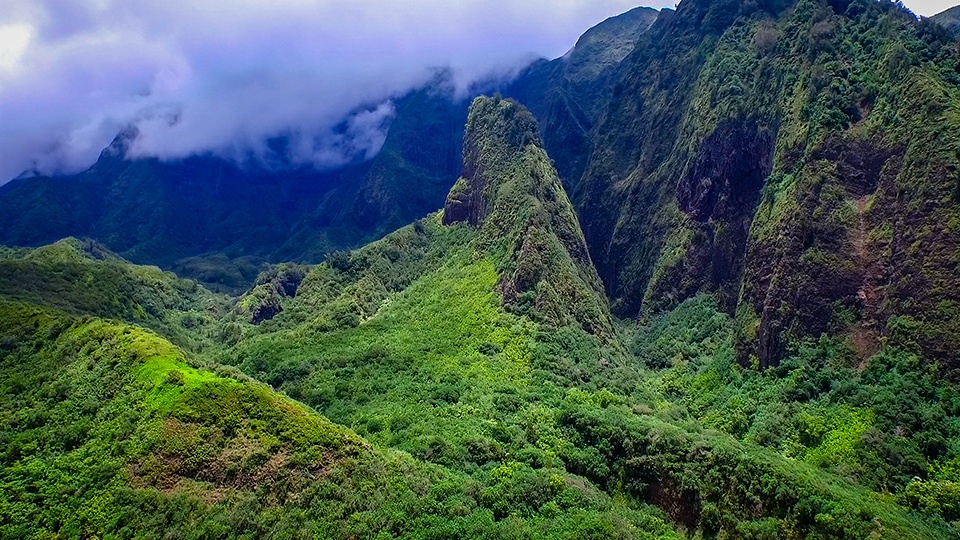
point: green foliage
(471, 381)
(218, 272)
(82, 277)
(889, 423)
(107, 431)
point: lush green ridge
(83, 277)
(567, 95)
(512, 193)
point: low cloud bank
(226, 77)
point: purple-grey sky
(223, 75)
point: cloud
(225, 76)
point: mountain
(512, 193)
(82, 277)
(217, 221)
(792, 158)
(418, 341)
(459, 378)
(568, 94)
(949, 19)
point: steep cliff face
(568, 94)
(512, 193)
(797, 159)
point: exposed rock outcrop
(512, 193)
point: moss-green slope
(83, 277)
(526, 223)
(108, 431)
(796, 158)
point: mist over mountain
(386, 167)
(224, 79)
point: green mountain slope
(788, 156)
(108, 431)
(407, 179)
(568, 94)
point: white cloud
(223, 76)
(14, 39)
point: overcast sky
(224, 75)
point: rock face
(513, 195)
(719, 192)
(724, 180)
(766, 153)
(567, 95)
(263, 302)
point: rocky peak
(527, 224)
(497, 132)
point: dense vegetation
(771, 192)
(797, 159)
